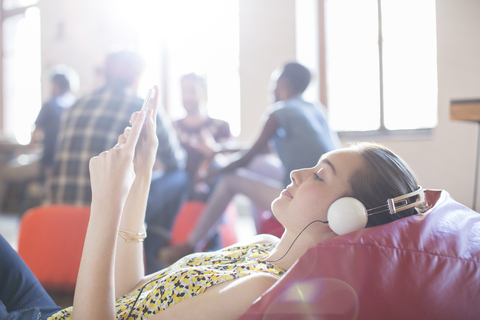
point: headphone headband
(400, 203)
(349, 214)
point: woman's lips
(287, 193)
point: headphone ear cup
(346, 215)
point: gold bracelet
(129, 236)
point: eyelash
(317, 177)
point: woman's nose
(296, 176)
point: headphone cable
(308, 225)
(148, 282)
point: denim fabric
(167, 193)
(21, 295)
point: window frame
(382, 132)
(5, 14)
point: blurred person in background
(201, 136)
(301, 135)
(93, 124)
(64, 80)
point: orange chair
(187, 218)
(51, 243)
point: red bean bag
(425, 266)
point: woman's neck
(290, 248)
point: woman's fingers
(133, 117)
(135, 131)
(103, 153)
(155, 105)
(122, 138)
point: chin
(276, 206)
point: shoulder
(180, 125)
(259, 239)
(231, 298)
(216, 122)
(83, 101)
(219, 128)
(265, 239)
(276, 107)
(297, 104)
(47, 107)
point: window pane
(22, 73)
(207, 42)
(203, 39)
(306, 43)
(186, 36)
(410, 64)
(351, 28)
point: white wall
(267, 40)
(80, 34)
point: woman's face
(313, 190)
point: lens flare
(320, 298)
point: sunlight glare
(193, 36)
(27, 64)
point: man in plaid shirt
(93, 124)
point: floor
(10, 222)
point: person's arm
(228, 300)
(112, 175)
(269, 129)
(214, 143)
(129, 266)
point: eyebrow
(331, 165)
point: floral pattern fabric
(188, 277)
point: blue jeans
(167, 193)
(21, 295)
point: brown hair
(385, 176)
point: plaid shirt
(91, 126)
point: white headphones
(349, 214)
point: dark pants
(167, 193)
(21, 295)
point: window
(183, 36)
(175, 37)
(381, 64)
(21, 67)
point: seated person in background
(301, 135)
(93, 124)
(223, 284)
(199, 134)
(63, 80)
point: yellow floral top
(188, 277)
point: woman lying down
(111, 282)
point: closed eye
(317, 177)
